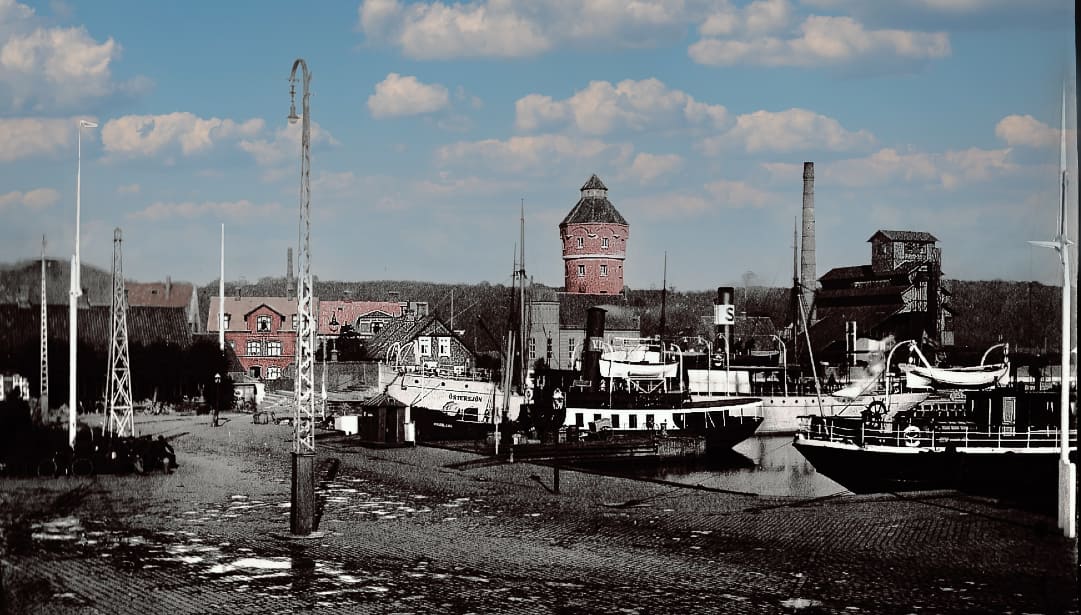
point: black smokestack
(724, 315)
(592, 346)
(808, 277)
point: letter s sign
(724, 314)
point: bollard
(555, 479)
(510, 454)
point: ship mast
(664, 294)
(44, 382)
(523, 327)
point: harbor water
(763, 465)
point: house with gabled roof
(262, 331)
(167, 294)
(426, 344)
(365, 317)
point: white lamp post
(76, 289)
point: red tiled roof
(160, 294)
(238, 307)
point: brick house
(426, 344)
(261, 331)
(594, 237)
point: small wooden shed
(382, 420)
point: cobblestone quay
(428, 530)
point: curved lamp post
(784, 362)
(76, 290)
(302, 511)
(886, 372)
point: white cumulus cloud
(34, 200)
(819, 41)
(29, 137)
(787, 131)
(399, 95)
(648, 167)
(506, 29)
(146, 135)
(1027, 131)
(603, 107)
(45, 67)
(285, 145)
(889, 166)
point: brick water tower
(594, 237)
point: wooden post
(555, 478)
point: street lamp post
(784, 363)
(302, 511)
(217, 398)
(76, 289)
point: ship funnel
(592, 347)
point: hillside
(1023, 313)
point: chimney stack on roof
(168, 286)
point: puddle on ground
(288, 571)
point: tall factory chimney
(289, 281)
(808, 278)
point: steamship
(633, 387)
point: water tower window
(580, 241)
(604, 242)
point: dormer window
(580, 242)
(226, 320)
(262, 324)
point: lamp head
(217, 377)
(293, 117)
(87, 124)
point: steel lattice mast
(303, 485)
(121, 421)
(44, 381)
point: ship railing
(861, 433)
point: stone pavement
(429, 530)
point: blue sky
(432, 121)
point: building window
(580, 241)
(570, 348)
(262, 324)
(273, 349)
(273, 372)
(604, 270)
(424, 346)
(227, 320)
(604, 242)
(444, 346)
(376, 326)
(293, 320)
(650, 424)
(255, 371)
(581, 271)
(632, 421)
(255, 348)
(548, 352)
(579, 420)
(532, 349)
(615, 421)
